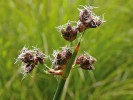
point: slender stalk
(71, 43)
(66, 86)
(59, 89)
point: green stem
(71, 43)
(66, 86)
(59, 89)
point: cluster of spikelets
(87, 19)
(62, 57)
(85, 62)
(60, 60)
(30, 58)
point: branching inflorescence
(65, 58)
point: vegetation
(32, 23)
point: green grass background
(33, 23)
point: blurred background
(33, 23)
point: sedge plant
(65, 59)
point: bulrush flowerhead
(85, 62)
(61, 57)
(30, 59)
(85, 14)
(68, 32)
(60, 60)
(95, 22)
(26, 56)
(88, 19)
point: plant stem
(59, 89)
(66, 86)
(71, 43)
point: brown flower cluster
(69, 33)
(87, 19)
(30, 59)
(85, 62)
(60, 60)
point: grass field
(33, 23)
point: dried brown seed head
(85, 15)
(26, 56)
(30, 58)
(85, 61)
(88, 19)
(69, 33)
(61, 57)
